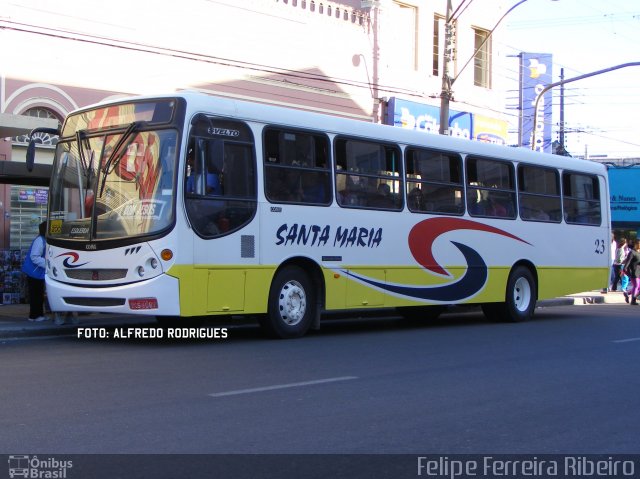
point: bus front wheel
(520, 298)
(292, 304)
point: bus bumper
(157, 296)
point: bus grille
(94, 301)
(96, 274)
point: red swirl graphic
(423, 234)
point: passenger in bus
(190, 183)
(570, 214)
(495, 207)
(539, 214)
(382, 198)
(313, 187)
(414, 199)
(285, 184)
(194, 185)
(353, 193)
(213, 183)
(477, 208)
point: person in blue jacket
(34, 268)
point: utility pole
(561, 135)
(446, 93)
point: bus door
(221, 204)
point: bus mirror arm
(31, 148)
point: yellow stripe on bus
(206, 290)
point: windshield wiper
(118, 151)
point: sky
(602, 118)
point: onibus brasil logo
(38, 467)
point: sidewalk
(14, 324)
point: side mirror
(31, 148)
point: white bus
(190, 205)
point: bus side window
(434, 181)
(296, 167)
(539, 193)
(368, 174)
(490, 188)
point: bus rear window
(581, 199)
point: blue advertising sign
(33, 195)
(535, 74)
(426, 118)
(625, 194)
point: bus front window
(113, 186)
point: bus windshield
(113, 184)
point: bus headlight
(153, 263)
(55, 271)
(140, 271)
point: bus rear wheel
(292, 304)
(520, 298)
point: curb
(19, 330)
(548, 303)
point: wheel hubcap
(522, 294)
(292, 303)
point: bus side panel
(206, 290)
(558, 281)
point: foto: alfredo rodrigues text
(152, 333)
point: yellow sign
(490, 130)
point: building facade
(372, 60)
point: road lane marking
(282, 386)
(626, 340)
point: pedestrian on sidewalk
(621, 254)
(34, 268)
(612, 271)
(632, 269)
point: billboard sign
(625, 195)
(490, 130)
(535, 74)
(426, 118)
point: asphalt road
(567, 382)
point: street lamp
(447, 82)
(564, 82)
